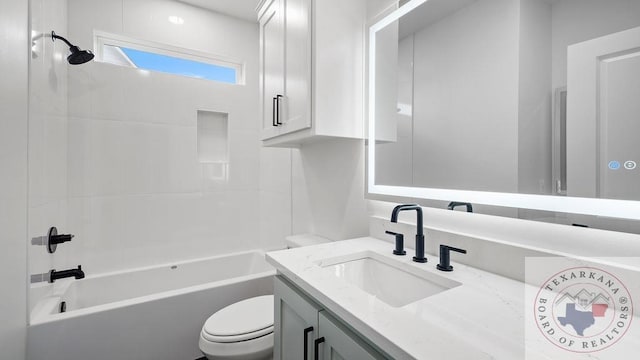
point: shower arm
(54, 36)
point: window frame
(101, 38)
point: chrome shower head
(77, 55)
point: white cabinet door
(337, 343)
(272, 64)
(285, 36)
(297, 100)
(295, 324)
(603, 89)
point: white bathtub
(148, 313)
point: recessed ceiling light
(176, 20)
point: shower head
(77, 55)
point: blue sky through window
(184, 67)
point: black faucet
(452, 205)
(419, 234)
(56, 275)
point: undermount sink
(394, 283)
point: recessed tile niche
(213, 144)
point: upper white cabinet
(311, 70)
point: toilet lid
(241, 321)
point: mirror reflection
(517, 96)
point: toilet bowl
(243, 330)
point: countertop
(483, 318)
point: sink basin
(395, 283)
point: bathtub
(147, 313)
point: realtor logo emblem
(583, 309)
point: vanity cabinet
(311, 70)
(295, 322)
(337, 342)
(302, 327)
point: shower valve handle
(53, 239)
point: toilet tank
(295, 241)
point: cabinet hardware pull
(306, 342)
(273, 112)
(278, 109)
(316, 346)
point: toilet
(243, 330)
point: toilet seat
(243, 330)
(256, 349)
(237, 338)
(244, 320)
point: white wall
(329, 189)
(466, 99)
(13, 176)
(136, 193)
(378, 8)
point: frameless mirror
(520, 103)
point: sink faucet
(56, 275)
(420, 232)
(452, 205)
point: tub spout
(56, 275)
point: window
(115, 49)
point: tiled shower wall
(48, 126)
(127, 181)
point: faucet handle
(53, 239)
(399, 250)
(445, 257)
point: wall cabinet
(311, 70)
(304, 330)
(285, 38)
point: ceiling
(243, 9)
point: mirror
(520, 103)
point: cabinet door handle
(306, 342)
(273, 111)
(316, 347)
(278, 109)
